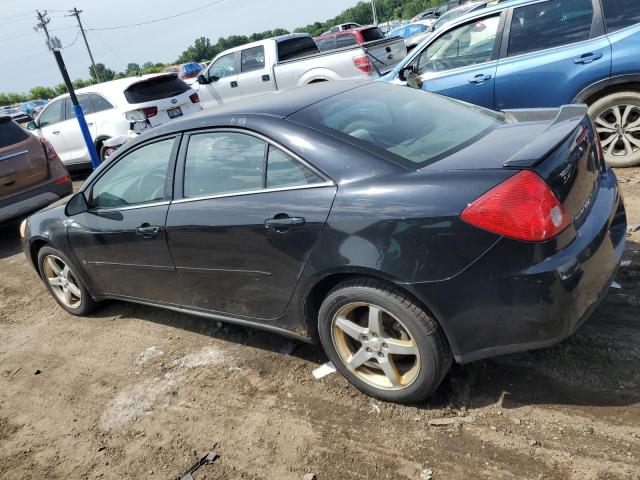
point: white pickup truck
(290, 61)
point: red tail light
(49, 151)
(363, 64)
(63, 180)
(194, 98)
(149, 111)
(522, 207)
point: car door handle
(480, 78)
(283, 224)
(266, 78)
(56, 132)
(234, 84)
(587, 58)
(148, 231)
(90, 124)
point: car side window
(52, 114)
(467, 45)
(619, 14)
(219, 163)
(137, 178)
(85, 103)
(284, 171)
(223, 67)
(549, 24)
(252, 59)
(99, 103)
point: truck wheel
(382, 342)
(617, 121)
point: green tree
(132, 69)
(41, 92)
(60, 89)
(105, 74)
(150, 67)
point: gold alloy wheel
(62, 282)
(375, 346)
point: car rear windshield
(371, 34)
(11, 133)
(296, 47)
(415, 126)
(155, 89)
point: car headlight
(23, 228)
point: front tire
(63, 283)
(617, 121)
(382, 342)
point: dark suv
(31, 174)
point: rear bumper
(33, 199)
(521, 296)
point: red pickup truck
(346, 38)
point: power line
(158, 19)
(72, 43)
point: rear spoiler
(564, 124)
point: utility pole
(76, 13)
(373, 9)
(55, 46)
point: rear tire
(63, 284)
(382, 342)
(617, 121)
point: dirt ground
(137, 392)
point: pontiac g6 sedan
(400, 229)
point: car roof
(278, 104)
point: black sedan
(400, 229)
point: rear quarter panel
(625, 45)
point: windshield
(416, 126)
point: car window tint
(85, 103)
(371, 34)
(328, 43)
(155, 88)
(620, 14)
(549, 24)
(252, 59)
(284, 171)
(223, 162)
(99, 103)
(52, 114)
(345, 40)
(296, 47)
(11, 133)
(137, 178)
(223, 67)
(406, 122)
(469, 44)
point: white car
(120, 108)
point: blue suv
(542, 53)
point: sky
(25, 61)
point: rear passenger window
(218, 163)
(619, 14)
(284, 171)
(252, 59)
(550, 24)
(345, 40)
(99, 103)
(11, 133)
(155, 88)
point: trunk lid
(558, 144)
(22, 159)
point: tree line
(203, 49)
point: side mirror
(77, 204)
(202, 80)
(32, 125)
(406, 73)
